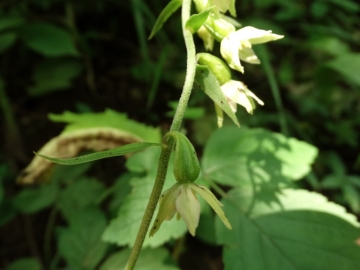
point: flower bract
(181, 199)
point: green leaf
(109, 118)
(80, 244)
(70, 203)
(6, 40)
(301, 231)
(115, 152)
(9, 22)
(209, 84)
(47, 39)
(348, 66)
(170, 8)
(25, 263)
(123, 229)
(35, 199)
(54, 75)
(149, 259)
(244, 156)
(197, 20)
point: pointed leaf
(119, 151)
(197, 20)
(301, 231)
(170, 8)
(209, 84)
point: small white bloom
(236, 92)
(181, 199)
(238, 45)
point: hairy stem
(166, 150)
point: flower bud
(186, 163)
(216, 66)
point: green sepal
(170, 8)
(186, 163)
(210, 85)
(197, 20)
(115, 152)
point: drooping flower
(237, 45)
(236, 92)
(181, 199)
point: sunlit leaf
(209, 84)
(301, 231)
(115, 152)
(149, 259)
(170, 8)
(197, 20)
(123, 229)
(348, 65)
(80, 244)
(48, 39)
(243, 156)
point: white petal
(256, 36)
(229, 49)
(213, 202)
(188, 207)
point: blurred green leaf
(9, 22)
(149, 259)
(79, 195)
(123, 229)
(303, 230)
(352, 196)
(31, 200)
(54, 75)
(243, 156)
(6, 40)
(109, 118)
(348, 65)
(190, 113)
(331, 45)
(170, 8)
(209, 84)
(121, 189)
(80, 244)
(115, 152)
(25, 263)
(48, 39)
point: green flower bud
(186, 163)
(218, 27)
(216, 65)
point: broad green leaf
(54, 75)
(123, 229)
(149, 259)
(111, 119)
(244, 156)
(25, 263)
(209, 84)
(31, 200)
(348, 65)
(8, 22)
(7, 211)
(121, 189)
(6, 40)
(197, 20)
(47, 39)
(70, 203)
(115, 152)
(303, 230)
(80, 244)
(170, 8)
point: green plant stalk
(166, 150)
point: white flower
(238, 45)
(236, 92)
(181, 199)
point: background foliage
(86, 58)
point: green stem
(166, 150)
